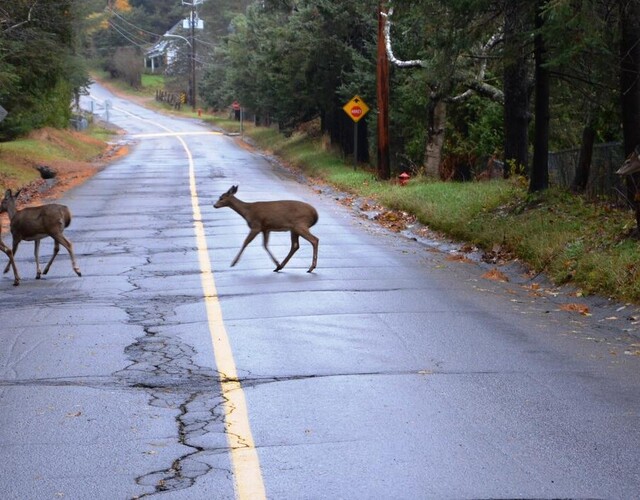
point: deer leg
(16, 276)
(36, 253)
(294, 248)
(265, 241)
(56, 249)
(61, 240)
(306, 234)
(13, 253)
(252, 234)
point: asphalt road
(390, 372)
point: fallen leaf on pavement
(579, 308)
(495, 275)
(458, 258)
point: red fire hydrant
(404, 178)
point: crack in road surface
(164, 367)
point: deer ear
(233, 190)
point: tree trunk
(540, 169)
(583, 168)
(516, 91)
(630, 90)
(437, 117)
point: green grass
(18, 157)
(101, 133)
(31, 148)
(11, 173)
(568, 238)
(150, 83)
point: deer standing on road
(35, 223)
(266, 216)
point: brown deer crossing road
(389, 372)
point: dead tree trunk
(437, 118)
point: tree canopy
(299, 59)
(39, 66)
(474, 90)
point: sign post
(107, 107)
(356, 108)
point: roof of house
(160, 47)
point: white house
(165, 51)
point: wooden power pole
(384, 169)
(193, 24)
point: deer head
(225, 198)
(8, 203)
(632, 164)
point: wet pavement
(392, 371)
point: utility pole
(192, 24)
(193, 55)
(384, 169)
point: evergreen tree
(38, 62)
(630, 90)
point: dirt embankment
(73, 156)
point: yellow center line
(244, 456)
(247, 474)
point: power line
(114, 13)
(124, 34)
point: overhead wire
(139, 41)
(130, 37)
(115, 13)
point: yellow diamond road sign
(356, 108)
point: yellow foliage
(121, 5)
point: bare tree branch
(387, 39)
(474, 85)
(28, 20)
(478, 85)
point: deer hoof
(16, 282)
(78, 272)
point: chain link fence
(603, 183)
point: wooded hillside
(472, 82)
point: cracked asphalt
(391, 372)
